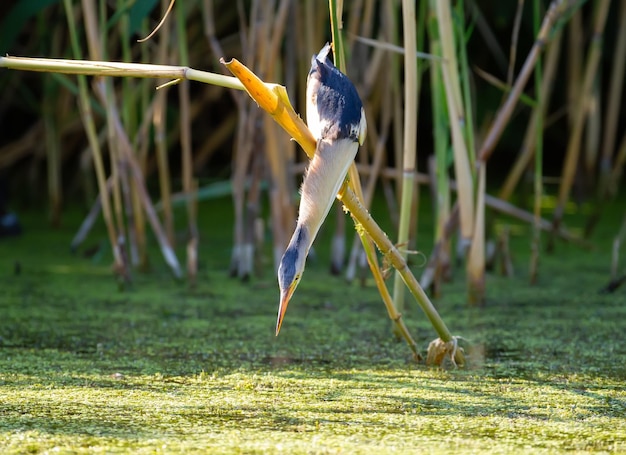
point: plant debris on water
(160, 368)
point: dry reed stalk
(186, 152)
(117, 167)
(538, 116)
(514, 37)
(159, 122)
(555, 11)
(241, 148)
(615, 100)
(129, 113)
(575, 37)
(386, 81)
(476, 256)
(96, 41)
(127, 156)
(119, 267)
(129, 213)
(53, 150)
(338, 242)
(378, 143)
(240, 266)
(242, 257)
(574, 143)
(476, 263)
(456, 113)
(277, 152)
(528, 145)
(141, 145)
(611, 117)
(438, 167)
(409, 141)
(593, 130)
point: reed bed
(135, 144)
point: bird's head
(291, 268)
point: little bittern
(335, 116)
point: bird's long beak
(285, 297)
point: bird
(336, 118)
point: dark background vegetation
(29, 29)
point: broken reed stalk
(409, 141)
(556, 10)
(585, 90)
(538, 114)
(90, 129)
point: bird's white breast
(323, 179)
